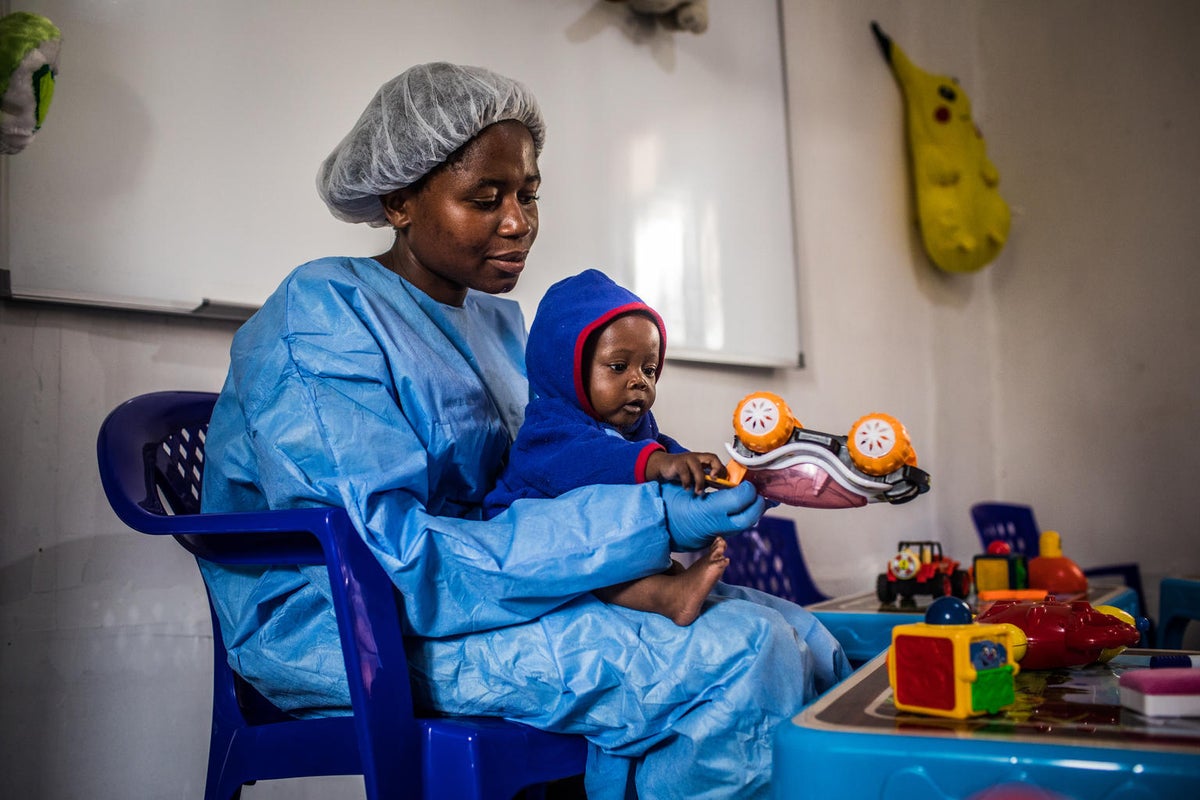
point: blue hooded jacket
(562, 445)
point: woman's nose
(517, 219)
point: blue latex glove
(693, 520)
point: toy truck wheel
(763, 421)
(879, 445)
(939, 585)
(885, 590)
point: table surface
(1076, 705)
(863, 625)
(1066, 733)
(868, 603)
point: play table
(1066, 733)
(864, 625)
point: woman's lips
(512, 263)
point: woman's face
(471, 223)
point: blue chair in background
(1178, 605)
(767, 557)
(151, 456)
(1015, 524)
(1007, 522)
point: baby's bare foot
(694, 583)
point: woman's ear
(396, 208)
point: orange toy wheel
(763, 421)
(879, 445)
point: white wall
(1063, 375)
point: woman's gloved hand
(693, 521)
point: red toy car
(920, 568)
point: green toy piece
(29, 46)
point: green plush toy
(29, 47)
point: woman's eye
(486, 202)
(527, 199)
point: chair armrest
(286, 536)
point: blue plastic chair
(767, 557)
(1014, 523)
(1007, 522)
(150, 452)
(1178, 605)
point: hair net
(414, 122)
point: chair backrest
(768, 558)
(150, 452)
(1007, 522)
(146, 474)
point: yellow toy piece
(963, 220)
(1122, 615)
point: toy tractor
(920, 568)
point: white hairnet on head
(414, 122)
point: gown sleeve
(348, 408)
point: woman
(392, 387)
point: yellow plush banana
(963, 219)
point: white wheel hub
(875, 438)
(760, 416)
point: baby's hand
(686, 469)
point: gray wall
(1064, 375)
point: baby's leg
(679, 594)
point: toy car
(920, 568)
(801, 467)
(1062, 634)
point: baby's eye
(649, 372)
(618, 366)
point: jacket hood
(571, 311)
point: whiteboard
(176, 167)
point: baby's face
(624, 371)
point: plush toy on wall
(29, 46)
(680, 15)
(963, 220)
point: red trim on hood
(600, 322)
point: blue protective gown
(352, 388)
